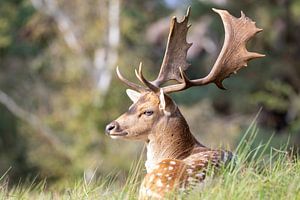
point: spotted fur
(172, 174)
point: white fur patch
(159, 183)
(159, 174)
(149, 193)
(172, 162)
(150, 162)
(115, 137)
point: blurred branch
(65, 25)
(44, 131)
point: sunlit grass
(259, 172)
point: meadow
(257, 172)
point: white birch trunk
(106, 58)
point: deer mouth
(119, 134)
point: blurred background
(58, 86)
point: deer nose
(113, 125)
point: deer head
(149, 109)
(154, 117)
(151, 103)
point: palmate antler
(233, 56)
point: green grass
(260, 172)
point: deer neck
(170, 138)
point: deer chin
(117, 135)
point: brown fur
(168, 139)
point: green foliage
(13, 147)
(276, 97)
(280, 97)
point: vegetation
(260, 172)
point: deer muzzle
(113, 129)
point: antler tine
(130, 84)
(178, 87)
(176, 52)
(186, 83)
(233, 56)
(141, 77)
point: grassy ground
(260, 172)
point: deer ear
(162, 102)
(133, 95)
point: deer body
(175, 159)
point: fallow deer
(175, 159)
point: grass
(260, 172)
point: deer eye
(148, 112)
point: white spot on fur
(159, 174)
(171, 168)
(159, 183)
(172, 162)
